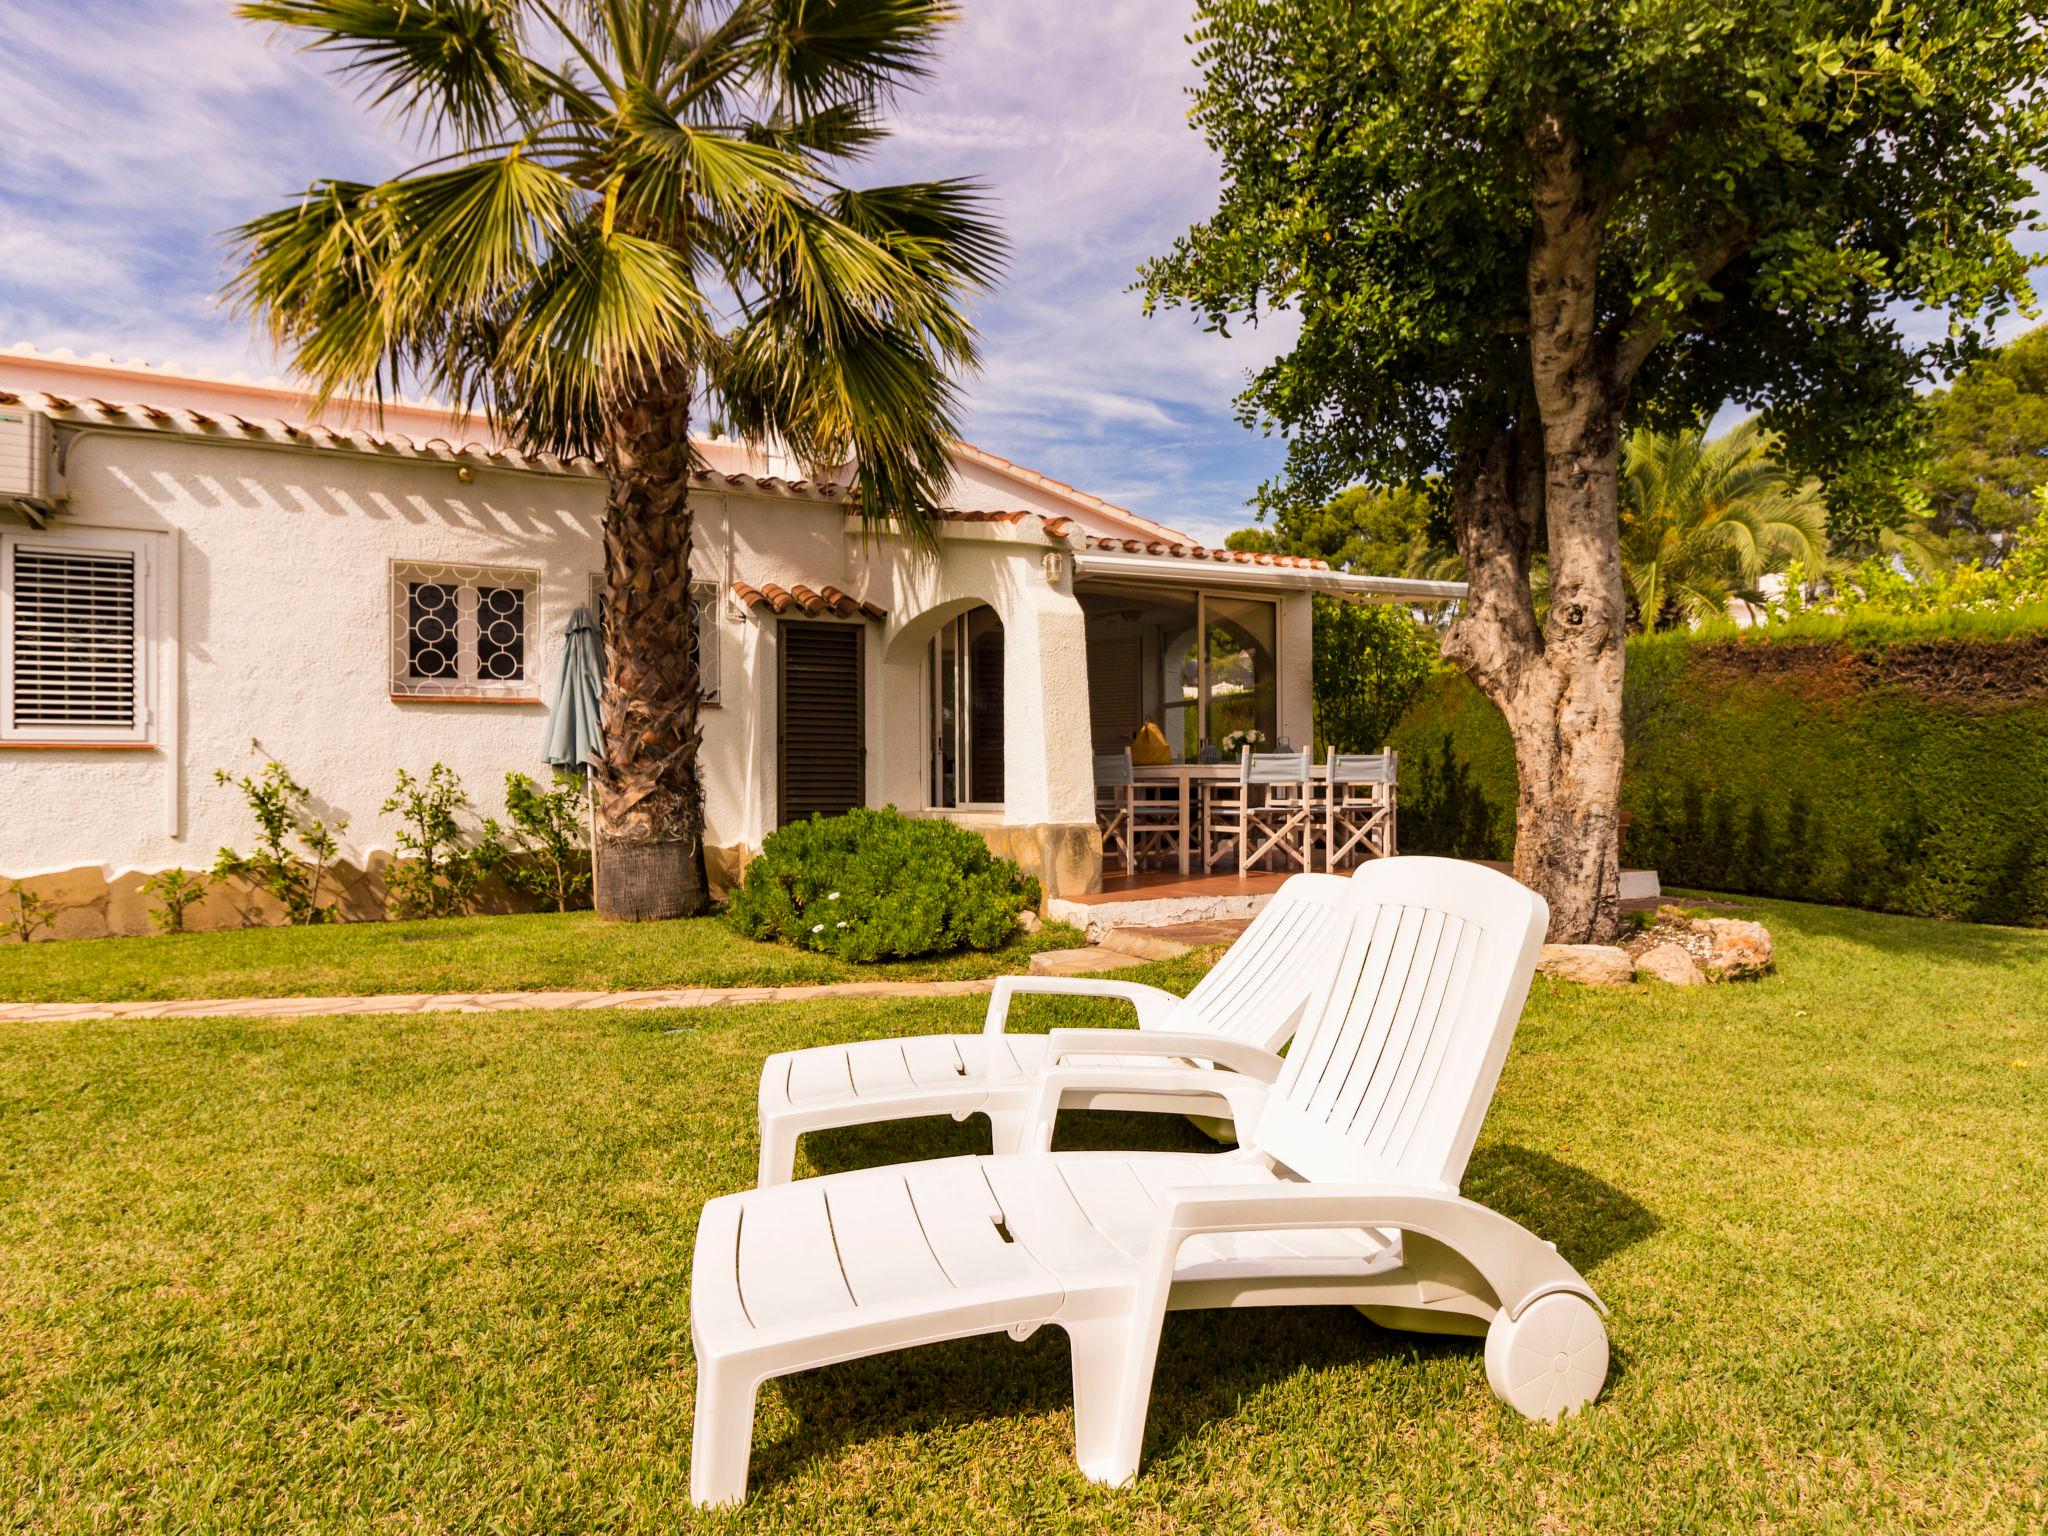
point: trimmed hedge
(1898, 767)
(879, 885)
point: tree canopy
(1373, 530)
(1989, 433)
(1774, 178)
(1516, 229)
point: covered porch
(1214, 651)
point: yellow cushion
(1149, 748)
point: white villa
(197, 573)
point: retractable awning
(1297, 576)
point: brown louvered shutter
(823, 758)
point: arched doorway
(965, 677)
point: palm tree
(631, 215)
(1702, 522)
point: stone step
(1144, 943)
(1171, 942)
(1081, 962)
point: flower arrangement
(1237, 741)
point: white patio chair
(1344, 1193)
(1136, 819)
(1237, 1016)
(1358, 806)
(1282, 819)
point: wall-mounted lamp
(465, 474)
(1055, 565)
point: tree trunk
(1559, 688)
(650, 807)
(1554, 464)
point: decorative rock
(1670, 963)
(1593, 965)
(1741, 949)
(1029, 921)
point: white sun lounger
(1345, 1192)
(1238, 1016)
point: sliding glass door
(1202, 666)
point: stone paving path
(1059, 962)
(478, 1002)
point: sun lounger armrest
(1244, 1094)
(1516, 1264)
(1153, 1004)
(1179, 1044)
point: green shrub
(283, 808)
(174, 890)
(441, 861)
(544, 836)
(878, 885)
(1371, 660)
(1894, 764)
(30, 913)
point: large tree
(632, 220)
(1514, 229)
(1990, 440)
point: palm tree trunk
(650, 806)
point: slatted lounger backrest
(1257, 992)
(1395, 1063)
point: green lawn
(541, 951)
(431, 1274)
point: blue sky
(131, 134)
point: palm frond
(603, 168)
(459, 59)
(1704, 521)
(604, 317)
(814, 52)
(668, 166)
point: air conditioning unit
(24, 455)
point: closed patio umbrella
(574, 734)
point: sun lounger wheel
(1550, 1361)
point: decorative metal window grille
(74, 661)
(704, 629)
(709, 613)
(462, 631)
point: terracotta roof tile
(770, 598)
(1173, 550)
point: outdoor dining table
(1185, 776)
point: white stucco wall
(1047, 774)
(274, 628)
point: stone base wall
(89, 905)
(1066, 857)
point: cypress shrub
(1900, 766)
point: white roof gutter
(1231, 573)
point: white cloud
(131, 136)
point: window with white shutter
(75, 626)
